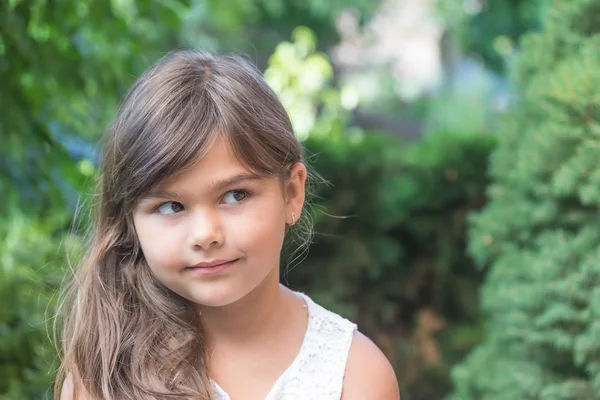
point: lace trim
(317, 372)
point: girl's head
(201, 167)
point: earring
(293, 219)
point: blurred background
(460, 139)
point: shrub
(389, 249)
(540, 232)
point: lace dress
(317, 372)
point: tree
(63, 67)
(256, 27)
(540, 232)
(489, 30)
(389, 244)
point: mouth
(212, 267)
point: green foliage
(540, 232)
(490, 30)
(389, 250)
(301, 76)
(63, 66)
(30, 272)
(31, 269)
(63, 69)
(256, 27)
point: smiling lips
(212, 267)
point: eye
(235, 196)
(170, 207)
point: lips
(212, 267)
(211, 264)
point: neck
(254, 317)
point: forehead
(217, 163)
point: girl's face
(213, 232)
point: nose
(205, 230)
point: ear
(295, 193)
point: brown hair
(125, 335)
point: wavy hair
(124, 335)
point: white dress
(317, 372)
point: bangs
(174, 113)
(171, 140)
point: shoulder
(369, 374)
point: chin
(218, 297)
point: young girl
(179, 294)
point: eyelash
(245, 192)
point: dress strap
(318, 371)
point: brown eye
(170, 207)
(234, 196)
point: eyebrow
(217, 186)
(245, 176)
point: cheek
(156, 244)
(261, 229)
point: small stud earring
(293, 219)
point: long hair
(124, 334)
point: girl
(179, 293)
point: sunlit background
(460, 137)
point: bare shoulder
(369, 374)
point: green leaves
(30, 272)
(63, 66)
(389, 246)
(539, 233)
(301, 77)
